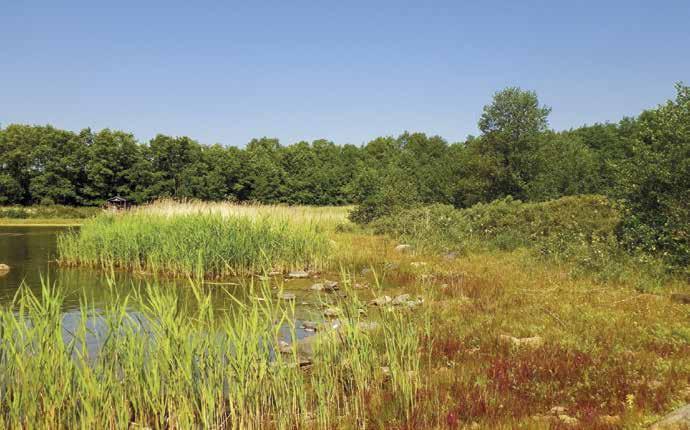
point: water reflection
(31, 253)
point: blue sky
(347, 71)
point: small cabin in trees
(116, 203)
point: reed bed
(195, 243)
(177, 365)
(326, 217)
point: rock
(400, 300)
(332, 312)
(310, 325)
(284, 347)
(360, 286)
(414, 303)
(531, 342)
(365, 271)
(558, 410)
(4, 269)
(418, 263)
(403, 248)
(610, 420)
(299, 274)
(328, 286)
(381, 301)
(286, 296)
(683, 298)
(676, 420)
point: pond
(31, 253)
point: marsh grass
(163, 362)
(208, 244)
(326, 217)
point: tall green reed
(155, 359)
(191, 244)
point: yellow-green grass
(326, 217)
(178, 365)
(208, 245)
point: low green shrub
(506, 224)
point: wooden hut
(116, 203)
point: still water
(31, 253)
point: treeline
(641, 162)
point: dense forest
(643, 163)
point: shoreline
(28, 222)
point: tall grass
(182, 365)
(206, 244)
(326, 217)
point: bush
(506, 223)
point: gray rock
(381, 301)
(530, 342)
(310, 325)
(286, 296)
(414, 303)
(299, 274)
(365, 271)
(400, 300)
(676, 420)
(332, 312)
(327, 286)
(403, 248)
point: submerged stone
(327, 286)
(286, 296)
(332, 312)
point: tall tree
(511, 126)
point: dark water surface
(31, 253)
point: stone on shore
(530, 342)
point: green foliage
(552, 227)
(654, 183)
(154, 360)
(642, 162)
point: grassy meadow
(524, 322)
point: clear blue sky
(347, 71)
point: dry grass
(327, 216)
